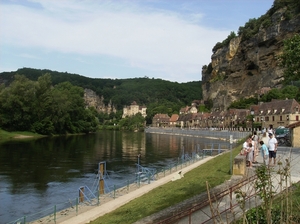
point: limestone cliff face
(244, 67)
(91, 99)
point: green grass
(215, 172)
(5, 135)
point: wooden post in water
(81, 194)
(101, 178)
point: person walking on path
(264, 152)
(255, 142)
(247, 151)
(250, 153)
(272, 149)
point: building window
(273, 119)
(280, 118)
(297, 118)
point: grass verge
(5, 135)
(215, 172)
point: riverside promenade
(107, 207)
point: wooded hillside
(121, 92)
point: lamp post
(252, 118)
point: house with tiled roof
(189, 109)
(173, 120)
(277, 113)
(295, 133)
(161, 120)
(133, 109)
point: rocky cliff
(91, 99)
(244, 67)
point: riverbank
(5, 135)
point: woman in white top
(255, 141)
(265, 138)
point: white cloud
(155, 40)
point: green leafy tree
(290, 59)
(135, 122)
(37, 106)
(290, 92)
(272, 94)
(243, 103)
(16, 103)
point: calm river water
(35, 174)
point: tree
(290, 59)
(16, 103)
(135, 122)
(37, 106)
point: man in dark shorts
(272, 149)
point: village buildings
(277, 113)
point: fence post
(54, 214)
(98, 197)
(114, 191)
(230, 142)
(77, 200)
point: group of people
(266, 144)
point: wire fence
(89, 198)
(204, 133)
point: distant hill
(121, 92)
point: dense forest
(121, 92)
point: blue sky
(118, 39)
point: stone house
(133, 109)
(161, 120)
(189, 109)
(295, 133)
(173, 120)
(277, 113)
